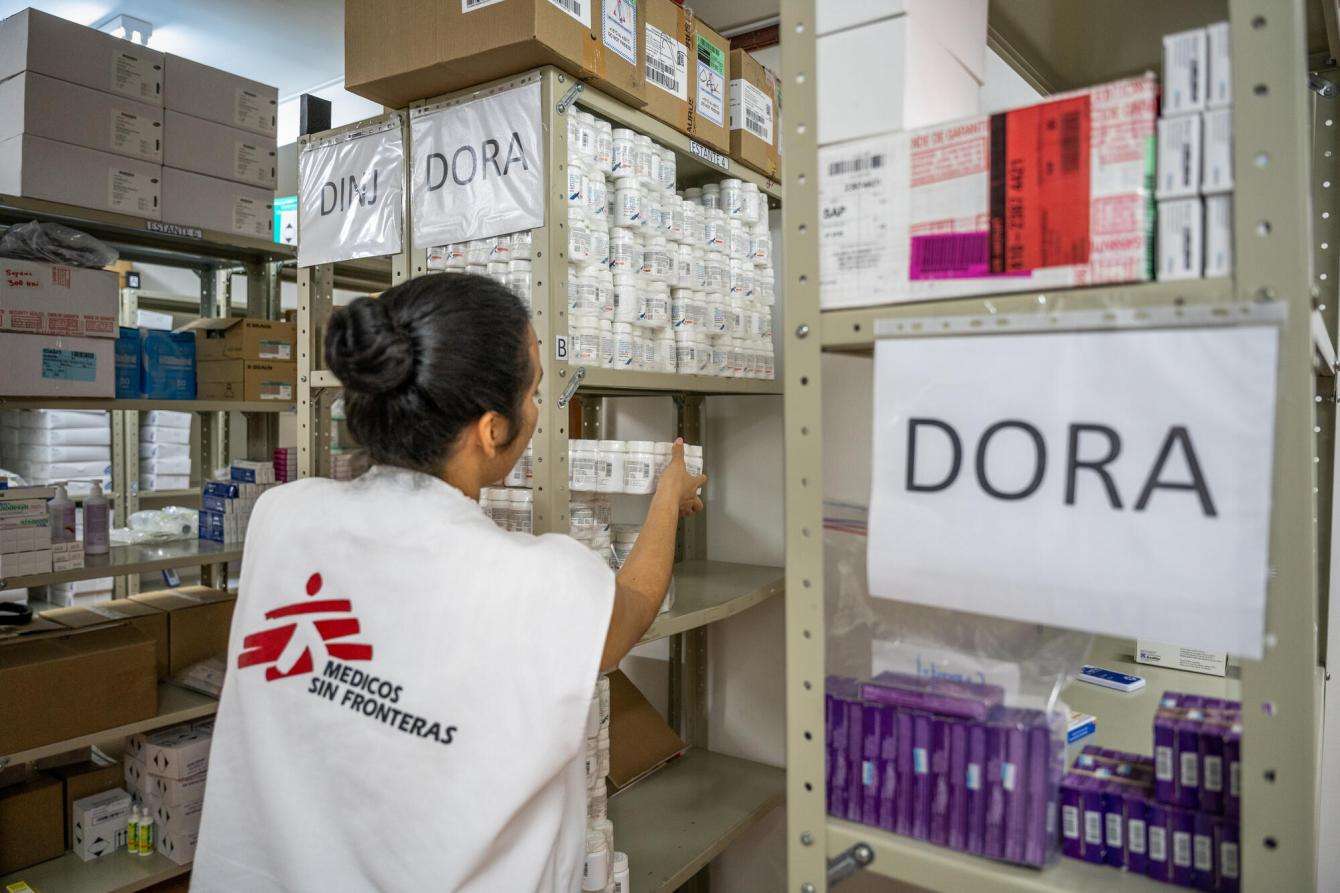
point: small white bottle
(711, 197)
(686, 352)
(715, 230)
(665, 350)
(642, 159)
(147, 839)
(133, 827)
(611, 462)
(732, 202)
(96, 518)
(576, 182)
(693, 458)
(625, 355)
(664, 453)
(523, 502)
(655, 306)
(606, 343)
(604, 146)
(668, 173)
(60, 510)
(750, 203)
(738, 240)
(627, 203)
(600, 243)
(602, 290)
(582, 465)
(640, 467)
(596, 871)
(579, 237)
(585, 342)
(619, 872)
(497, 271)
(597, 199)
(622, 142)
(586, 135)
(654, 167)
(676, 233)
(521, 243)
(625, 253)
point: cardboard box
(177, 753)
(1179, 157)
(205, 92)
(167, 365)
(753, 125)
(43, 106)
(709, 67)
(179, 791)
(247, 380)
(52, 299)
(101, 678)
(1180, 657)
(178, 846)
(1218, 235)
(666, 35)
(24, 535)
(640, 740)
(34, 167)
(210, 203)
(37, 41)
(50, 366)
(23, 564)
(198, 622)
(151, 621)
(1216, 169)
(441, 47)
(98, 824)
(84, 779)
(1219, 48)
(31, 822)
(1185, 66)
(1181, 239)
(217, 150)
(246, 338)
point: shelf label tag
(716, 159)
(351, 195)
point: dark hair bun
(367, 351)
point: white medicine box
(1218, 235)
(1216, 170)
(98, 824)
(1181, 239)
(1179, 157)
(1219, 88)
(176, 753)
(1185, 63)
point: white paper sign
(478, 168)
(1116, 481)
(351, 195)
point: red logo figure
(285, 646)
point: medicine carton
(98, 824)
(52, 299)
(1216, 169)
(1185, 66)
(24, 535)
(176, 753)
(1218, 236)
(127, 363)
(1219, 89)
(1180, 153)
(1181, 239)
(179, 846)
(1196, 660)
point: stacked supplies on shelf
(165, 450)
(78, 593)
(53, 446)
(1174, 816)
(286, 464)
(945, 762)
(25, 533)
(165, 771)
(225, 506)
(604, 869)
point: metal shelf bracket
(848, 862)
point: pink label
(950, 256)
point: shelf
(920, 864)
(854, 329)
(1125, 720)
(138, 238)
(708, 591)
(324, 378)
(616, 382)
(691, 168)
(679, 818)
(175, 704)
(159, 496)
(144, 405)
(124, 560)
(118, 873)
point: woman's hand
(684, 487)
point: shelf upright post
(802, 420)
(214, 302)
(126, 451)
(315, 294)
(263, 302)
(1273, 251)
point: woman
(408, 684)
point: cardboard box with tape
(753, 114)
(243, 339)
(247, 380)
(687, 73)
(151, 621)
(198, 622)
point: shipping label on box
(667, 63)
(1054, 195)
(619, 28)
(53, 299)
(710, 82)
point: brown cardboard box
(640, 740)
(709, 67)
(84, 779)
(246, 380)
(153, 622)
(398, 51)
(32, 823)
(243, 339)
(666, 34)
(59, 685)
(198, 622)
(753, 114)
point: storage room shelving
(674, 822)
(1282, 223)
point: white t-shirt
(406, 698)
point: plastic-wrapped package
(942, 725)
(164, 525)
(57, 244)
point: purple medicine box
(958, 786)
(997, 743)
(1013, 776)
(1158, 864)
(946, 697)
(1091, 819)
(974, 779)
(1212, 763)
(1181, 830)
(922, 786)
(855, 759)
(1072, 834)
(1165, 748)
(902, 823)
(888, 769)
(878, 728)
(1226, 855)
(1137, 830)
(1187, 754)
(1040, 794)
(1233, 771)
(1202, 852)
(939, 833)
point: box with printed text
(53, 299)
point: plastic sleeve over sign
(351, 195)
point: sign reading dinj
(351, 195)
(477, 168)
(1112, 481)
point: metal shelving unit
(115, 405)
(707, 591)
(1056, 46)
(119, 872)
(123, 561)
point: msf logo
(288, 648)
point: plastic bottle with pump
(96, 521)
(61, 512)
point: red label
(1040, 186)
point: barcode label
(1228, 859)
(1163, 763)
(472, 5)
(1070, 141)
(1214, 773)
(947, 255)
(1135, 836)
(1070, 822)
(855, 165)
(1158, 843)
(1093, 827)
(1235, 779)
(578, 9)
(667, 63)
(660, 73)
(1181, 849)
(1190, 767)
(1204, 852)
(1114, 829)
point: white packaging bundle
(165, 465)
(63, 418)
(165, 451)
(28, 452)
(100, 436)
(164, 481)
(162, 418)
(164, 435)
(48, 472)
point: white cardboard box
(197, 200)
(957, 25)
(217, 150)
(176, 753)
(178, 791)
(98, 823)
(37, 41)
(1216, 169)
(1219, 91)
(33, 167)
(1179, 156)
(25, 535)
(38, 298)
(216, 95)
(1180, 657)
(57, 366)
(178, 819)
(22, 564)
(1218, 235)
(44, 106)
(1181, 239)
(874, 79)
(179, 846)
(1185, 71)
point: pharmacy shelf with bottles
(1281, 236)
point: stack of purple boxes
(944, 762)
(1173, 817)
